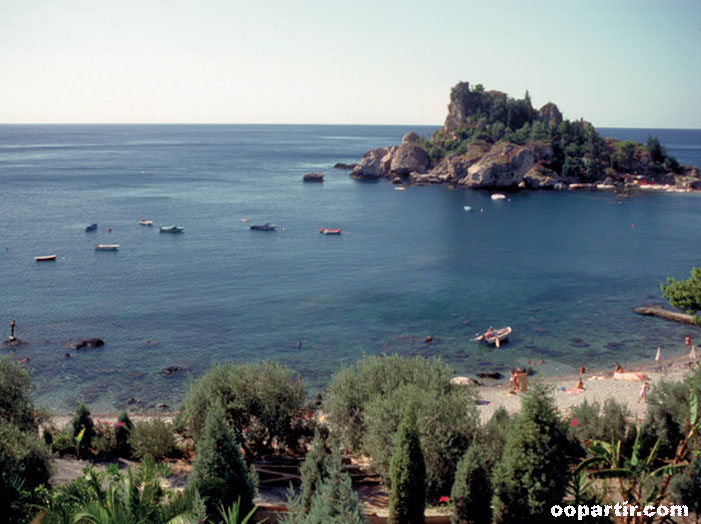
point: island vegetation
(491, 140)
(420, 431)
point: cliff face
(490, 140)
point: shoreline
(599, 386)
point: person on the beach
(580, 385)
(619, 369)
(517, 380)
(582, 371)
(643, 392)
(512, 382)
(687, 341)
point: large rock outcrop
(504, 166)
(550, 114)
(410, 157)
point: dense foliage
(261, 403)
(533, 471)
(407, 471)
(590, 421)
(16, 406)
(152, 438)
(684, 294)
(472, 489)
(219, 472)
(366, 402)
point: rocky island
(490, 140)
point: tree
(472, 490)
(260, 403)
(532, 474)
(16, 406)
(407, 475)
(684, 294)
(219, 471)
(121, 434)
(313, 471)
(82, 428)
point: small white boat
(47, 258)
(498, 196)
(467, 208)
(495, 336)
(146, 222)
(107, 247)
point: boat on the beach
(327, 231)
(171, 229)
(47, 258)
(107, 247)
(146, 222)
(498, 196)
(91, 227)
(494, 337)
(264, 227)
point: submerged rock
(89, 343)
(172, 370)
(313, 177)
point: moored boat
(327, 231)
(498, 196)
(171, 229)
(107, 247)
(264, 227)
(495, 337)
(47, 258)
(146, 222)
(91, 227)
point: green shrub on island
(407, 471)
(261, 402)
(152, 438)
(219, 472)
(471, 493)
(533, 472)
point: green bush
(352, 388)
(589, 421)
(491, 437)
(82, 429)
(533, 472)
(219, 472)
(446, 421)
(152, 438)
(16, 406)
(313, 471)
(261, 401)
(407, 499)
(122, 429)
(472, 490)
(63, 443)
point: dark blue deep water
(563, 269)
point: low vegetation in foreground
(421, 433)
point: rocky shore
(476, 149)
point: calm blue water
(563, 269)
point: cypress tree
(121, 434)
(313, 471)
(532, 473)
(407, 476)
(219, 471)
(82, 420)
(472, 490)
(334, 501)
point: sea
(563, 269)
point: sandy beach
(599, 385)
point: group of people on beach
(518, 381)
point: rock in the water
(162, 406)
(341, 165)
(490, 374)
(504, 166)
(89, 343)
(131, 400)
(313, 177)
(13, 342)
(409, 158)
(172, 370)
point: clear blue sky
(625, 63)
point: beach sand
(598, 386)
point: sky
(615, 63)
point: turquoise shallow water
(563, 269)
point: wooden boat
(91, 227)
(107, 247)
(171, 229)
(327, 231)
(495, 336)
(47, 258)
(146, 222)
(264, 227)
